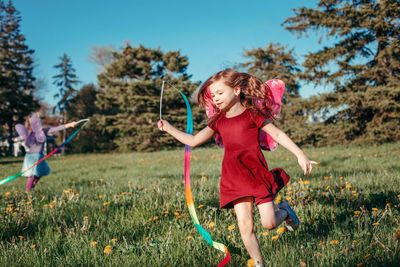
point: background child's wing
(21, 130)
(36, 123)
(276, 87)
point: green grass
(138, 199)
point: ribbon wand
(6, 180)
(162, 92)
(188, 191)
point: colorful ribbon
(188, 190)
(6, 180)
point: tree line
(362, 63)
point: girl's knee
(269, 225)
(246, 226)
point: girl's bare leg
(244, 214)
(270, 218)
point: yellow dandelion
(211, 225)
(189, 237)
(200, 206)
(20, 236)
(231, 227)
(205, 178)
(265, 233)
(229, 237)
(374, 209)
(105, 204)
(281, 230)
(306, 182)
(357, 212)
(146, 238)
(375, 224)
(327, 188)
(93, 243)
(155, 218)
(251, 263)
(334, 242)
(8, 194)
(107, 249)
(322, 243)
(33, 246)
(114, 240)
(166, 212)
(348, 185)
(176, 213)
(275, 237)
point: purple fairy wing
(211, 108)
(276, 88)
(36, 123)
(21, 130)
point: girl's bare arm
(187, 139)
(287, 143)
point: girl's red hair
(254, 95)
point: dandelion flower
(114, 240)
(211, 225)
(334, 242)
(265, 233)
(33, 246)
(8, 194)
(231, 227)
(281, 230)
(275, 237)
(357, 212)
(200, 206)
(107, 249)
(93, 243)
(375, 224)
(322, 243)
(374, 209)
(189, 237)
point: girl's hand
(305, 163)
(163, 125)
(71, 124)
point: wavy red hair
(253, 95)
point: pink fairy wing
(276, 87)
(21, 130)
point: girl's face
(223, 95)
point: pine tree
(129, 97)
(66, 81)
(274, 61)
(363, 64)
(16, 67)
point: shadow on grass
(11, 162)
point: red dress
(244, 169)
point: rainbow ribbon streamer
(6, 180)
(188, 190)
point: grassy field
(130, 210)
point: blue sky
(212, 34)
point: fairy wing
(276, 88)
(36, 123)
(21, 130)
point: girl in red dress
(242, 108)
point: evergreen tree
(16, 67)
(83, 106)
(129, 97)
(363, 64)
(66, 81)
(274, 62)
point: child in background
(35, 138)
(245, 175)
